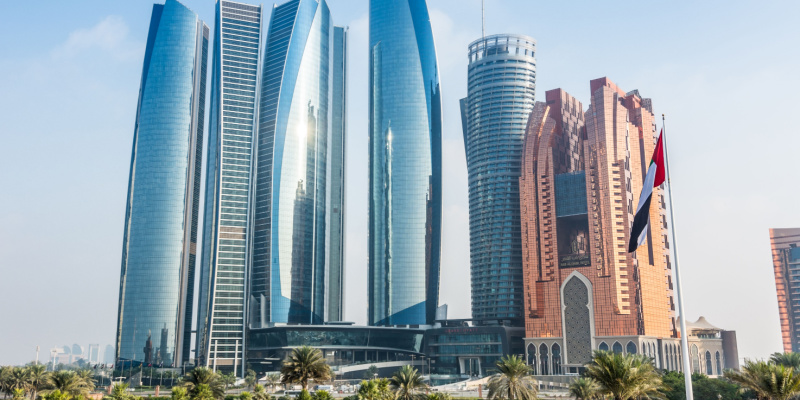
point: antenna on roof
(483, 20)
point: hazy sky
(726, 73)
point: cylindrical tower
(502, 82)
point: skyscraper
(583, 290)
(501, 88)
(93, 355)
(160, 237)
(336, 206)
(221, 323)
(405, 164)
(785, 245)
(299, 152)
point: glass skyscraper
(220, 323)
(336, 226)
(299, 152)
(500, 96)
(160, 238)
(405, 164)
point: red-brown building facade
(581, 180)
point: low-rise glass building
(446, 352)
(464, 349)
(349, 350)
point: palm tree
(273, 380)
(767, 381)
(250, 378)
(584, 389)
(17, 394)
(789, 359)
(87, 377)
(305, 364)
(407, 384)
(322, 395)
(259, 393)
(513, 381)
(38, 379)
(245, 396)
(69, 383)
(203, 392)
(624, 377)
(179, 393)
(227, 380)
(4, 371)
(375, 389)
(204, 376)
(15, 378)
(120, 392)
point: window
(709, 370)
(719, 364)
(603, 346)
(556, 359)
(532, 355)
(695, 359)
(617, 347)
(543, 364)
(630, 348)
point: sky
(725, 73)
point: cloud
(110, 35)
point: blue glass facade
(289, 270)
(571, 194)
(220, 323)
(501, 88)
(160, 239)
(405, 164)
(335, 305)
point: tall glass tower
(500, 96)
(220, 323)
(335, 288)
(405, 164)
(160, 238)
(301, 96)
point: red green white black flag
(655, 177)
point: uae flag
(655, 177)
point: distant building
(405, 165)
(93, 355)
(60, 355)
(160, 237)
(77, 353)
(581, 177)
(711, 349)
(785, 245)
(500, 96)
(108, 355)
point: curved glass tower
(405, 170)
(289, 270)
(232, 118)
(500, 96)
(160, 239)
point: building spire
(483, 19)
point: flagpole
(687, 370)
